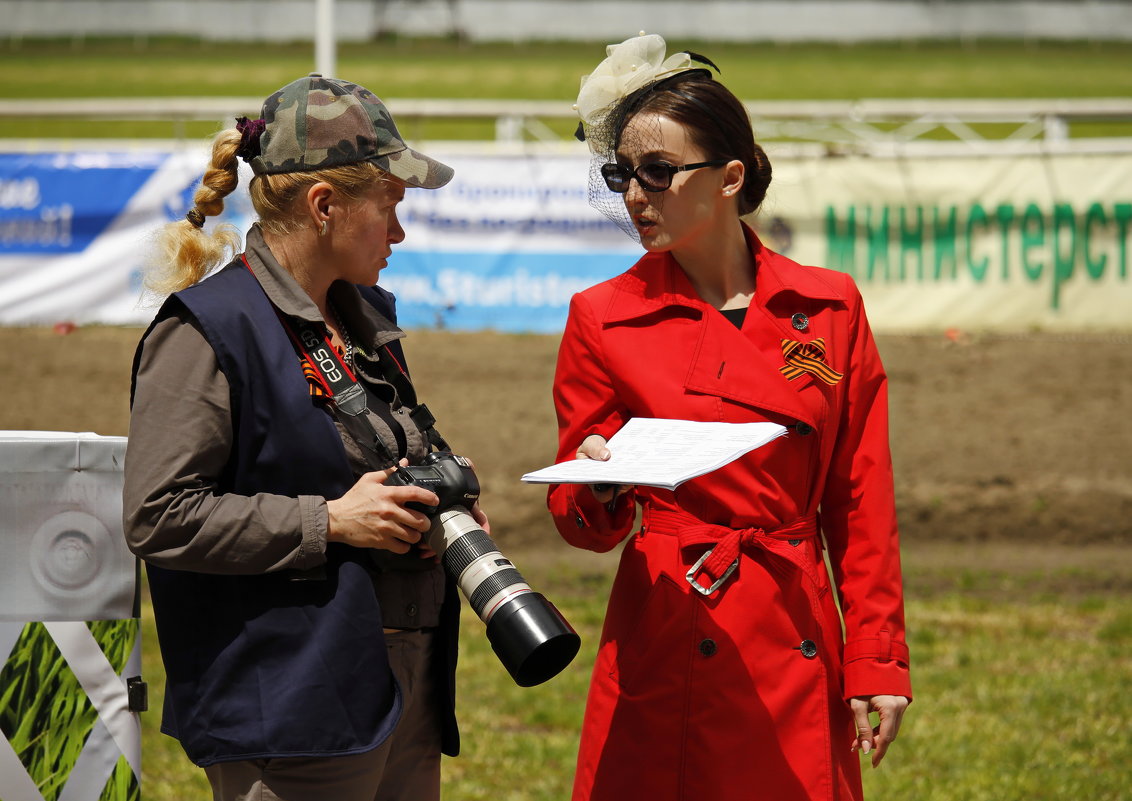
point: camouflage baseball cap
(316, 122)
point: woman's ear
(320, 199)
(734, 173)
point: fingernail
(867, 746)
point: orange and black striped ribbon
(807, 357)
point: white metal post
(325, 46)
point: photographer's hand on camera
(373, 515)
(481, 518)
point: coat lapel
(729, 365)
(742, 366)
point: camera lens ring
(467, 549)
(492, 585)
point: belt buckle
(701, 589)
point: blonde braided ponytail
(185, 252)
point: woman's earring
(323, 228)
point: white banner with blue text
(1005, 243)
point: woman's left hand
(594, 447)
(890, 711)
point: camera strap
(340, 386)
(347, 395)
(398, 376)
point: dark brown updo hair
(716, 121)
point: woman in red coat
(726, 677)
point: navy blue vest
(266, 666)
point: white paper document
(662, 453)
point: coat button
(808, 648)
(578, 519)
(800, 321)
(708, 647)
(794, 543)
(804, 429)
(411, 610)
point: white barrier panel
(1005, 243)
(70, 645)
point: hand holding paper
(662, 453)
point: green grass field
(1021, 659)
(1014, 665)
(547, 71)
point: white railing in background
(861, 125)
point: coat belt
(721, 560)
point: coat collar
(280, 286)
(726, 363)
(657, 281)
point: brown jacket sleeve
(174, 513)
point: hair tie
(195, 217)
(250, 132)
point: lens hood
(532, 639)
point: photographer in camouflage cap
(308, 634)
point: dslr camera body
(529, 635)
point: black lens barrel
(532, 639)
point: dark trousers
(406, 767)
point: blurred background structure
(968, 161)
(966, 181)
(581, 20)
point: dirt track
(994, 438)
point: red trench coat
(741, 694)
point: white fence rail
(861, 125)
